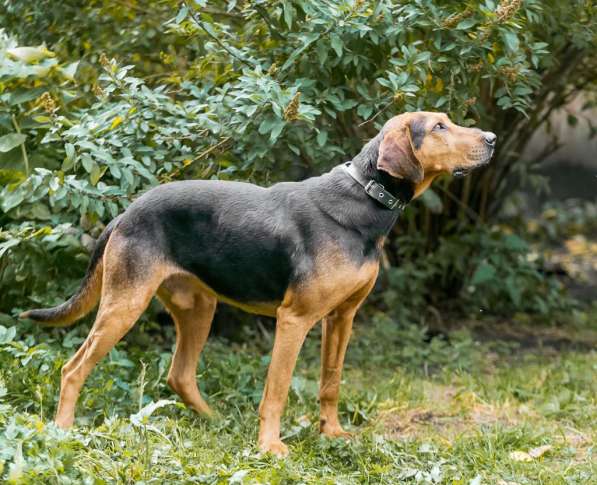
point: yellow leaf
(187, 162)
(490, 58)
(520, 456)
(115, 122)
(577, 246)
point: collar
(374, 189)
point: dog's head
(420, 146)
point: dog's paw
(64, 422)
(276, 448)
(334, 431)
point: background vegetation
(101, 100)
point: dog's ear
(396, 155)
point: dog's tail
(86, 297)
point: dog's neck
(352, 208)
(366, 162)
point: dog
(298, 251)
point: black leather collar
(374, 189)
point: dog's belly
(181, 288)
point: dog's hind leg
(125, 295)
(193, 312)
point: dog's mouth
(464, 171)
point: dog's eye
(439, 126)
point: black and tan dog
(299, 251)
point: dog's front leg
(291, 331)
(336, 331)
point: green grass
(441, 412)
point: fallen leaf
(475, 481)
(520, 456)
(539, 451)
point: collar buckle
(375, 190)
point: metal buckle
(379, 193)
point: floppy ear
(396, 156)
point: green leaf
(466, 23)
(70, 70)
(337, 44)
(95, 175)
(18, 97)
(515, 243)
(266, 125)
(432, 201)
(7, 335)
(87, 162)
(441, 101)
(288, 13)
(10, 141)
(511, 40)
(484, 272)
(276, 130)
(513, 290)
(322, 138)
(182, 14)
(310, 39)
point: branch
(23, 149)
(385, 107)
(268, 21)
(218, 41)
(205, 153)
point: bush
(483, 271)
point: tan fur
(122, 303)
(343, 289)
(426, 182)
(192, 329)
(258, 308)
(82, 305)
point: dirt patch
(520, 331)
(451, 412)
(580, 442)
(534, 336)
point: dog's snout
(489, 138)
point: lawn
(516, 405)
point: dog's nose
(490, 138)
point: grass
(448, 411)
